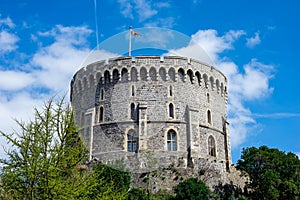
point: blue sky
(255, 43)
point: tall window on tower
(171, 140)
(211, 146)
(209, 117)
(101, 114)
(102, 94)
(171, 110)
(132, 90)
(132, 141)
(132, 111)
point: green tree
(115, 182)
(273, 173)
(44, 157)
(192, 189)
(46, 160)
(137, 194)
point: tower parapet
(173, 107)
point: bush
(192, 189)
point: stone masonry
(152, 112)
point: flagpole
(129, 46)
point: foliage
(192, 189)
(162, 195)
(46, 160)
(137, 194)
(118, 180)
(273, 173)
(228, 191)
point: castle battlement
(171, 106)
(194, 69)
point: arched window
(211, 79)
(171, 91)
(124, 75)
(132, 90)
(211, 146)
(171, 140)
(190, 74)
(197, 74)
(162, 74)
(132, 111)
(218, 85)
(132, 141)
(143, 74)
(115, 76)
(171, 110)
(101, 114)
(207, 98)
(106, 77)
(91, 80)
(209, 117)
(133, 74)
(171, 73)
(101, 94)
(152, 74)
(181, 74)
(205, 80)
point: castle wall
(151, 84)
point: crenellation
(171, 106)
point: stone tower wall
(151, 84)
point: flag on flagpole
(135, 33)
(131, 32)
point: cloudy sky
(254, 43)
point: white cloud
(59, 60)
(48, 73)
(126, 8)
(162, 5)
(276, 115)
(253, 41)
(14, 80)
(243, 86)
(7, 22)
(142, 8)
(212, 44)
(97, 55)
(18, 106)
(7, 41)
(167, 22)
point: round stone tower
(152, 110)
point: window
(171, 140)
(211, 146)
(190, 74)
(115, 76)
(132, 111)
(131, 141)
(209, 117)
(133, 74)
(124, 75)
(198, 77)
(102, 94)
(171, 91)
(181, 74)
(106, 77)
(101, 114)
(132, 90)
(171, 110)
(207, 98)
